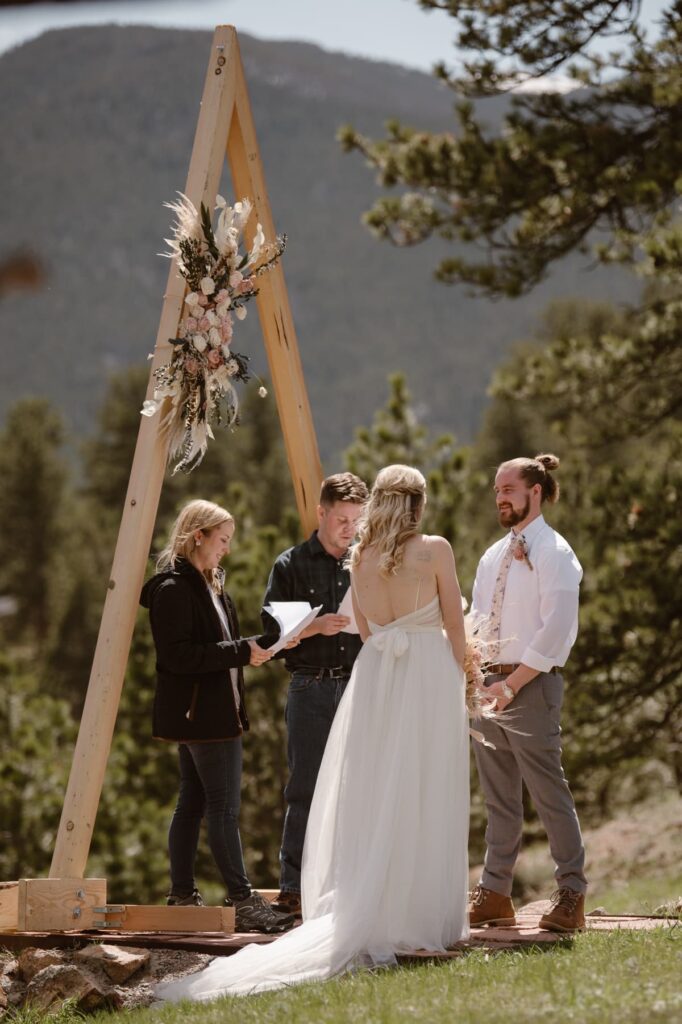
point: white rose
(199, 342)
(192, 299)
(225, 349)
(211, 317)
(236, 277)
(223, 308)
(240, 312)
(207, 285)
(232, 367)
(214, 338)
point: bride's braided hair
(537, 471)
(391, 517)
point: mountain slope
(97, 135)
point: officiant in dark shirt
(320, 665)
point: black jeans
(210, 787)
(311, 705)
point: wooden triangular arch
(225, 127)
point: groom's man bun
(538, 471)
(550, 488)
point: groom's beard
(507, 515)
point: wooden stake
(224, 120)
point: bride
(385, 858)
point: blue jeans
(311, 705)
(210, 787)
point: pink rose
(204, 323)
(222, 296)
(191, 324)
(246, 286)
(214, 359)
(202, 300)
(226, 331)
(191, 366)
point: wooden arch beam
(225, 128)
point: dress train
(385, 860)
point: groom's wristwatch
(507, 691)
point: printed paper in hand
(346, 608)
(292, 617)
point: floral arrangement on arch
(199, 379)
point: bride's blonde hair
(391, 517)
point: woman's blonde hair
(391, 517)
(196, 515)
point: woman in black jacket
(199, 703)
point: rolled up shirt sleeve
(559, 591)
(559, 614)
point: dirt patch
(46, 978)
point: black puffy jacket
(194, 700)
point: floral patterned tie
(516, 548)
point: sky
(398, 31)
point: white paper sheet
(346, 608)
(292, 617)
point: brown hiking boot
(567, 913)
(288, 902)
(488, 907)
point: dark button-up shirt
(308, 572)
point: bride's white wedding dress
(385, 858)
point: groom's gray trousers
(529, 752)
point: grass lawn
(624, 977)
(638, 896)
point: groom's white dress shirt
(539, 621)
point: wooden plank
(141, 918)
(9, 906)
(137, 524)
(59, 904)
(277, 323)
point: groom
(527, 587)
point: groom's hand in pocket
(495, 690)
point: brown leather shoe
(488, 907)
(287, 903)
(567, 913)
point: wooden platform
(525, 933)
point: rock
(33, 960)
(8, 968)
(52, 986)
(118, 962)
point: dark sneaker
(254, 914)
(288, 903)
(193, 900)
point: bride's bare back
(427, 570)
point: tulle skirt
(385, 860)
